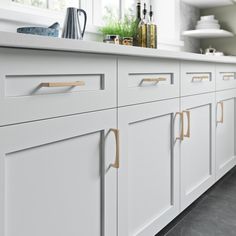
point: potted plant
(119, 31)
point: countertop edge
(14, 40)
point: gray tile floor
(214, 214)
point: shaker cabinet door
(225, 132)
(56, 178)
(148, 187)
(198, 147)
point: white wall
(189, 17)
(167, 17)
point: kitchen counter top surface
(15, 40)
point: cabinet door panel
(56, 179)
(198, 150)
(225, 132)
(148, 175)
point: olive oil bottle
(142, 31)
(137, 22)
(152, 31)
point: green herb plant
(125, 27)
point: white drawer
(225, 76)
(197, 78)
(44, 84)
(143, 80)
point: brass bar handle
(187, 135)
(116, 164)
(181, 137)
(62, 84)
(221, 121)
(200, 78)
(228, 77)
(153, 80)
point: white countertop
(15, 40)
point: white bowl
(210, 17)
(207, 27)
(208, 21)
(208, 24)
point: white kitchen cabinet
(198, 147)
(93, 144)
(56, 178)
(148, 188)
(225, 132)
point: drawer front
(143, 80)
(197, 78)
(225, 77)
(43, 84)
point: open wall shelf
(208, 33)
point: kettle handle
(85, 19)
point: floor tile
(214, 214)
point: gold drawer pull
(228, 77)
(62, 84)
(153, 80)
(221, 121)
(181, 137)
(200, 78)
(187, 135)
(116, 132)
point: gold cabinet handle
(221, 121)
(153, 80)
(62, 84)
(117, 160)
(187, 135)
(200, 78)
(228, 77)
(181, 137)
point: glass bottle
(143, 29)
(152, 31)
(138, 20)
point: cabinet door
(149, 169)
(225, 132)
(198, 147)
(55, 177)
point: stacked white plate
(208, 22)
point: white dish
(208, 27)
(208, 21)
(210, 17)
(208, 24)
